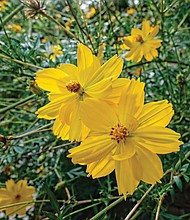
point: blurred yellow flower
(70, 86)
(44, 39)
(130, 11)
(68, 23)
(3, 4)
(14, 27)
(54, 52)
(91, 13)
(142, 43)
(16, 193)
(127, 140)
(7, 169)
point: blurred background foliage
(29, 150)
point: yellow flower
(130, 11)
(142, 43)
(68, 23)
(71, 85)
(16, 193)
(127, 140)
(14, 27)
(44, 39)
(91, 13)
(3, 4)
(55, 51)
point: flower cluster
(15, 193)
(107, 114)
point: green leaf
(178, 182)
(52, 198)
(50, 215)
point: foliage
(30, 151)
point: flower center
(139, 38)
(119, 133)
(18, 197)
(73, 86)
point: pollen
(18, 197)
(139, 38)
(73, 86)
(119, 133)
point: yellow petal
(69, 69)
(48, 79)
(151, 165)
(101, 167)
(131, 101)
(159, 148)
(125, 150)
(78, 130)
(145, 28)
(92, 149)
(87, 65)
(51, 110)
(136, 31)
(111, 69)
(102, 118)
(157, 134)
(61, 129)
(126, 181)
(154, 32)
(156, 114)
(100, 89)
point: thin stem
(16, 104)
(60, 25)
(138, 203)
(87, 29)
(13, 13)
(107, 208)
(20, 62)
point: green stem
(60, 25)
(20, 62)
(13, 13)
(107, 208)
(16, 104)
(80, 210)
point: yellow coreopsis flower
(142, 43)
(91, 13)
(127, 140)
(130, 11)
(55, 51)
(15, 27)
(71, 85)
(16, 193)
(3, 4)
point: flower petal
(102, 118)
(156, 114)
(126, 181)
(92, 149)
(125, 150)
(151, 165)
(157, 134)
(101, 167)
(48, 79)
(131, 101)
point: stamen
(73, 86)
(139, 38)
(119, 132)
(17, 197)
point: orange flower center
(139, 38)
(73, 86)
(18, 197)
(119, 133)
